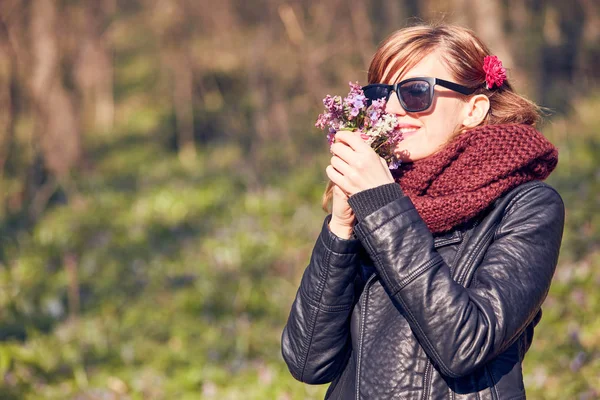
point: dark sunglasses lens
(376, 92)
(416, 95)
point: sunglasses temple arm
(454, 86)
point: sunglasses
(415, 94)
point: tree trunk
(6, 112)
(183, 104)
(56, 122)
(94, 68)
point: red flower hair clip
(495, 74)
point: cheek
(445, 123)
(436, 129)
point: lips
(407, 130)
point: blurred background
(161, 177)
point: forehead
(431, 65)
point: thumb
(387, 168)
(383, 162)
(340, 192)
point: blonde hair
(463, 53)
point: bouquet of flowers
(378, 128)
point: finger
(343, 151)
(353, 140)
(339, 192)
(336, 178)
(340, 165)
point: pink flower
(323, 120)
(495, 74)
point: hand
(355, 166)
(342, 216)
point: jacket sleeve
(461, 328)
(316, 339)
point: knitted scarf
(462, 179)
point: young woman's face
(427, 131)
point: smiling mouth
(408, 131)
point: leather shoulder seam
(512, 207)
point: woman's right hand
(342, 216)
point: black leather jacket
(402, 314)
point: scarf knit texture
(478, 166)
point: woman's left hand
(355, 166)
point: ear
(476, 110)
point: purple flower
(394, 164)
(374, 115)
(331, 136)
(359, 101)
(376, 109)
(323, 120)
(378, 105)
(355, 88)
(355, 102)
(395, 136)
(333, 105)
(377, 127)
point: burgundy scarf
(474, 169)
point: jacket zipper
(459, 252)
(362, 328)
(363, 313)
(426, 380)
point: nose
(393, 105)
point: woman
(428, 283)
